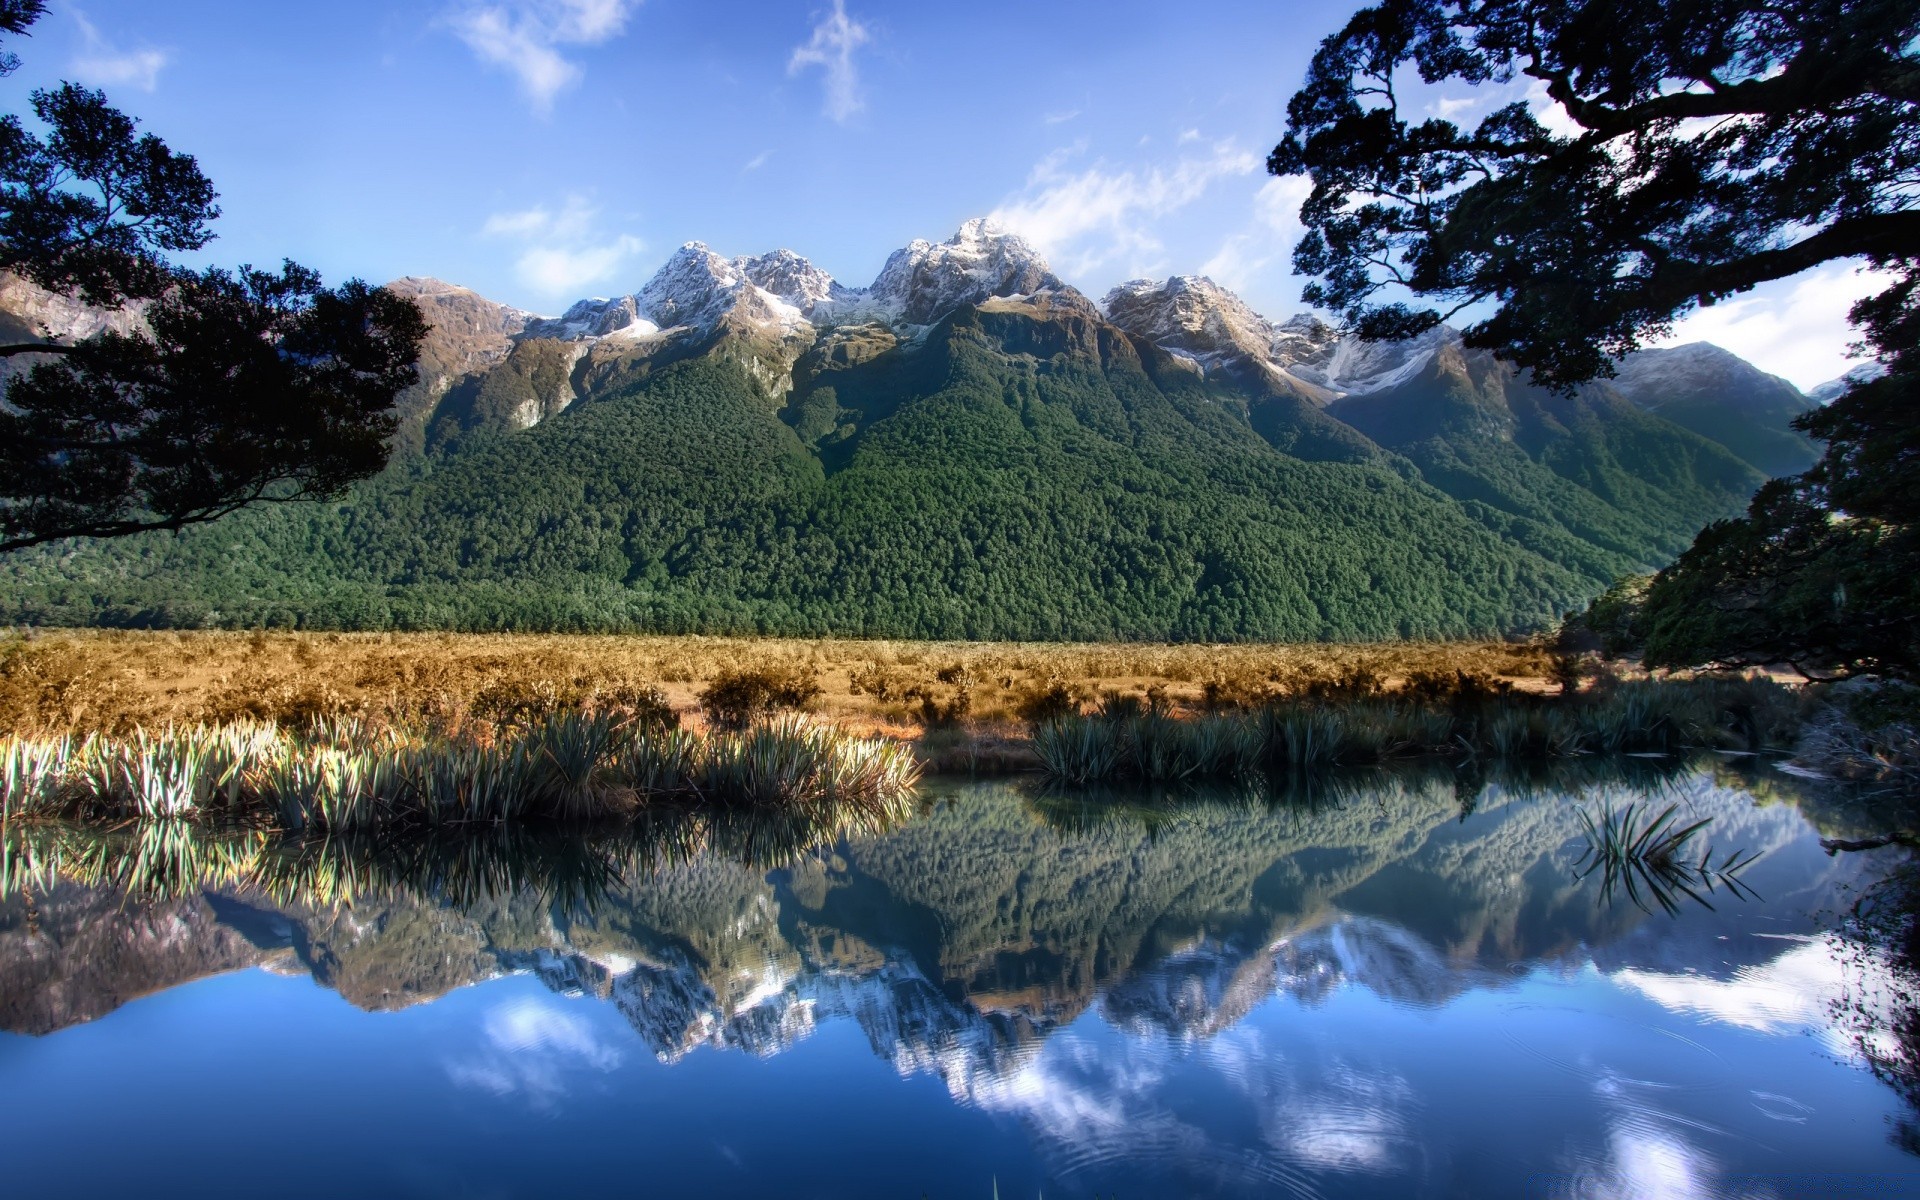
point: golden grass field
(101, 680)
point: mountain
(1721, 396)
(1866, 372)
(966, 447)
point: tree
(1720, 144)
(1711, 145)
(232, 388)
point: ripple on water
(1604, 1049)
(1782, 1108)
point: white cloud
(757, 161)
(1550, 113)
(1794, 327)
(1095, 215)
(104, 65)
(565, 251)
(831, 48)
(1061, 118)
(563, 271)
(531, 1046)
(1449, 107)
(525, 38)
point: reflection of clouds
(1347, 1120)
(1646, 1154)
(1106, 1108)
(530, 1046)
(1793, 993)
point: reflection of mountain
(74, 954)
(963, 939)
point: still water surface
(1390, 985)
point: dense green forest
(1024, 475)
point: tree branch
(1789, 93)
(1879, 235)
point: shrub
(735, 699)
(1051, 703)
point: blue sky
(543, 150)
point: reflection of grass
(571, 866)
(1650, 857)
(578, 766)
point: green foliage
(1613, 623)
(1718, 147)
(969, 491)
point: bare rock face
(30, 313)
(796, 282)
(925, 281)
(593, 318)
(1204, 324)
(1652, 378)
(469, 332)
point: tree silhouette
(1713, 145)
(231, 388)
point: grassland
(978, 692)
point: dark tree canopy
(241, 388)
(230, 389)
(1716, 145)
(1720, 144)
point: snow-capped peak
(794, 281)
(924, 281)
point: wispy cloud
(526, 38)
(1266, 240)
(757, 161)
(1061, 118)
(105, 65)
(564, 251)
(1088, 217)
(835, 38)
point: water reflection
(1220, 993)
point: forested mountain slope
(969, 448)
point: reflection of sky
(1635, 1084)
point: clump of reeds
(1650, 857)
(347, 775)
(1464, 719)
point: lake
(1369, 984)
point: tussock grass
(1471, 722)
(350, 775)
(456, 864)
(84, 681)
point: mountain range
(967, 447)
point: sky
(539, 151)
